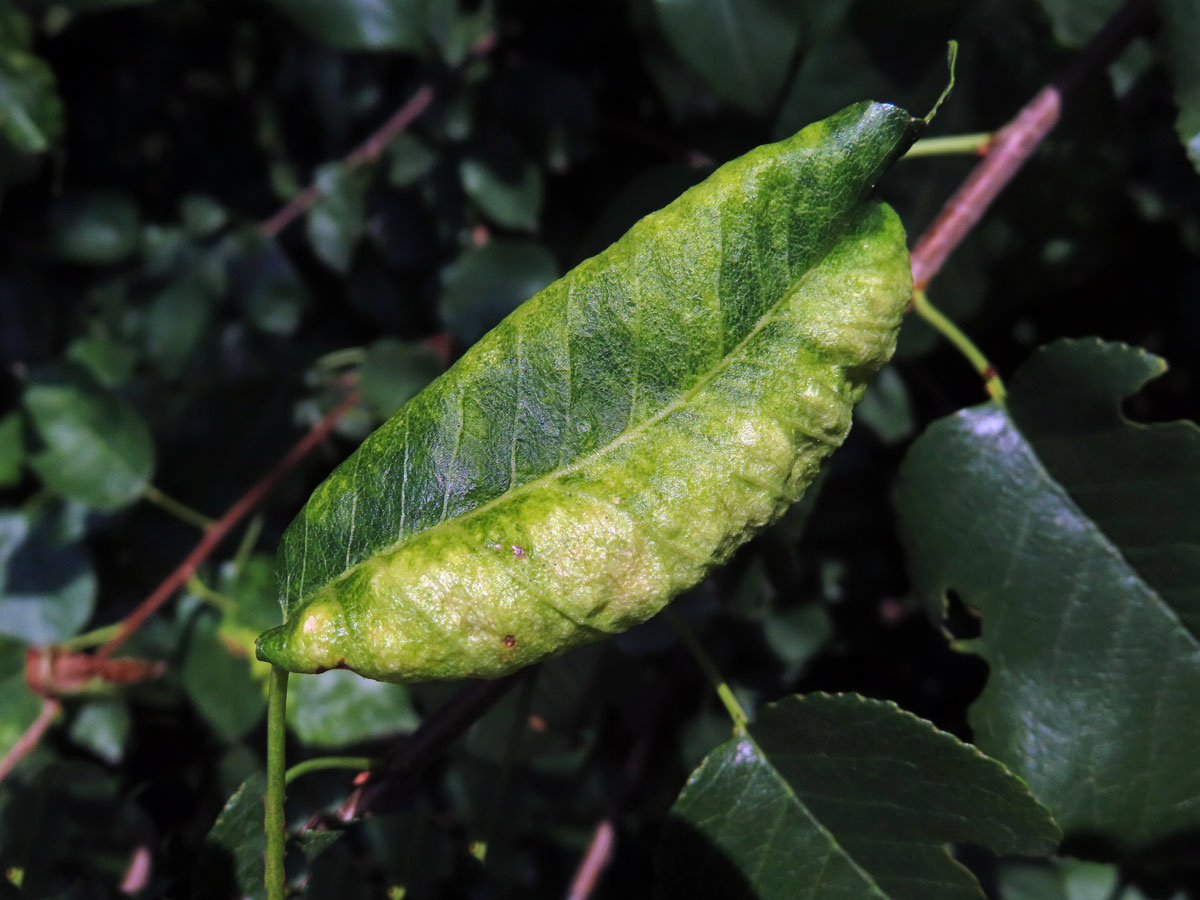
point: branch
(417, 751)
(1014, 144)
(219, 529)
(367, 152)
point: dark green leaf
(410, 159)
(339, 709)
(47, 586)
(1074, 533)
(19, 706)
(231, 862)
(360, 24)
(741, 48)
(394, 372)
(840, 796)
(337, 220)
(219, 680)
(31, 113)
(1076, 22)
(12, 449)
(886, 409)
(202, 215)
(98, 229)
(176, 321)
(102, 726)
(265, 283)
(108, 360)
(1061, 879)
(95, 448)
(617, 436)
(506, 201)
(1181, 28)
(485, 285)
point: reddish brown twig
(1014, 144)
(219, 529)
(30, 738)
(366, 152)
(595, 860)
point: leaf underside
(619, 434)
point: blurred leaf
(19, 706)
(31, 113)
(840, 796)
(361, 24)
(411, 160)
(741, 48)
(482, 286)
(176, 321)
(338, 708)
(95, 448)
(97, 229)
(47, 586)
(1060, 879)
(1182, 32)
(886, 409)
(506, 202)
(394, 371)
(797, 635)
(1075, 22)
(220, 682)
(1074, 534)
(202, 215)
(337, 221)
(108, 360)
(102, 726)
(231, 861)
(265, 283)
(12, 449)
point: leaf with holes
(1074, 534)
(617, 436)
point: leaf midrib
(625, 437)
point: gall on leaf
(618, 435)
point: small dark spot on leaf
(510, 640)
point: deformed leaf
(1074, 533)
(842, 797)
(95, 448)
(618, 435)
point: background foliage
(157, 340)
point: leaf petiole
(964, 345)
(952, 144)
(724, 691)
(181, 511)
(359, 763)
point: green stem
(951, 144)
(246, 546)
(338, 359)
(276, 782)
(359, 763)
(964, 345)
(208, 595)
(93, 638)
(179, 510)
(735, 710)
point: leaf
(394, 372)
(485, 285)
(741, 48)
(360, 24)
(102, 726)
(841, 796)
(176, 321)
(12, 449)
(31, 113)
(1076, 22)
(1181, 29)
(1060, 879)
(1073, 532)
(342, 709)
(338, 219)
(510, 203)
(107, 360)
(95, 447)
(231, 861)
(265, 283)
(47, 586)
(97, 229)
(617, 436)
(19, 706)
(219, 682)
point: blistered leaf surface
(619, 434)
